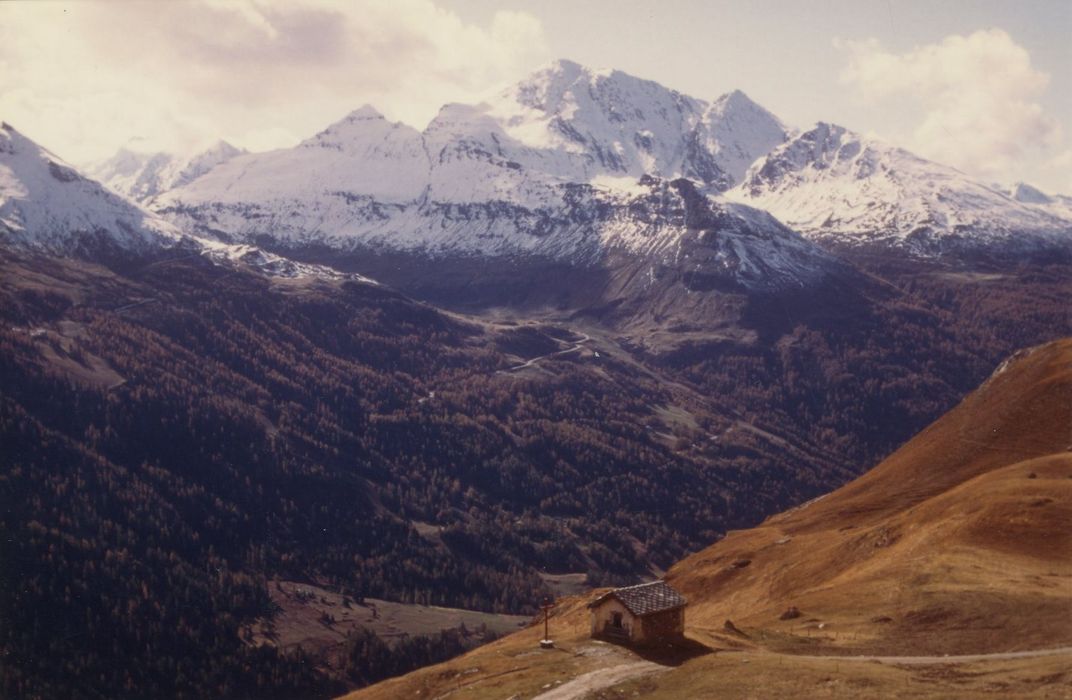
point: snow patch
(624, 185)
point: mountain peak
(362, 116)
(46, 204)
(560, 70)
(1023, 192)
(739, 105)
(7, 137)
(545, 89)
(15, 143)
(142, 175)
(361, 125)
(734, 97)
(13, 134)
(834, 184)
(222, 146)
(457, 109)
(363, 113)
(565, 65)
(829, 129)
(740, 131)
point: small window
(616, 620)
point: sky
(978, 84)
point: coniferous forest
(174, 436)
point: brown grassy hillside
(959, 543)
(960, 538)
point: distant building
(644, 615)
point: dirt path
(961, 659)
(599, 679)
(576, 346)
(613, 675)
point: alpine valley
(285, 424)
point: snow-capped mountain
(1057, 204)
(658, 221)
(141, 176)
(46, 204)
(549, 167)
(608, 123)
(834, 185)
(362, 155)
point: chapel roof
(645, 598)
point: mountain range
(551, 166)
(551, 169)
(561, 338)
(592, 174)
(142, 175)
(47, 206)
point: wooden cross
(546, 607)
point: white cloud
(973, 101)
(84, 78)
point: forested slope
(176, 435)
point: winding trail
(529, 363)
(601, 678)
(128, 307)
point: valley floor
(320, 621)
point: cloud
(973, 101)
(84, 78)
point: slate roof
(645, 598)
